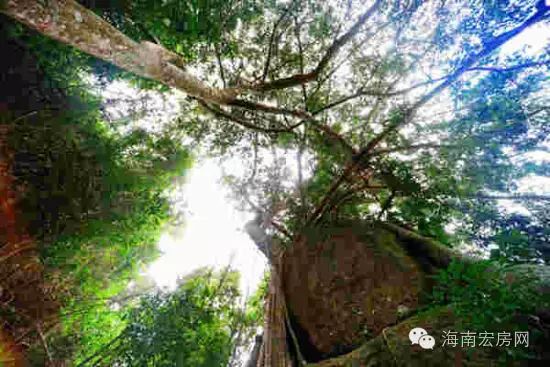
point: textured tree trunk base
(345, 282)
(401, 252)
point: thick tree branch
(363, 92)
(333, 135)
(411, 148)
(256, 106)
(328, 196)
(348, 195)
(220, 65)
(326, 130)
(374, 93)
(301, 59)
(279, 227)
(77, 26)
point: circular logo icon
(426, 342)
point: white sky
(212, 233)
(211, 236)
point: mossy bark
(348, 281)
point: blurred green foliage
(201, 323)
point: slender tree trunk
(274, 351)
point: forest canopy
(419, 127)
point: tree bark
(274, 351)
(334, 283)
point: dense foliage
(201, 323)
(474, 141)
(91, 198)
(423, 114)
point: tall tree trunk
(334, 285)
(275, 349)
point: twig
(17, 251)
(243, 122)
(270, 45)
(44, 343)
(220, 65)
